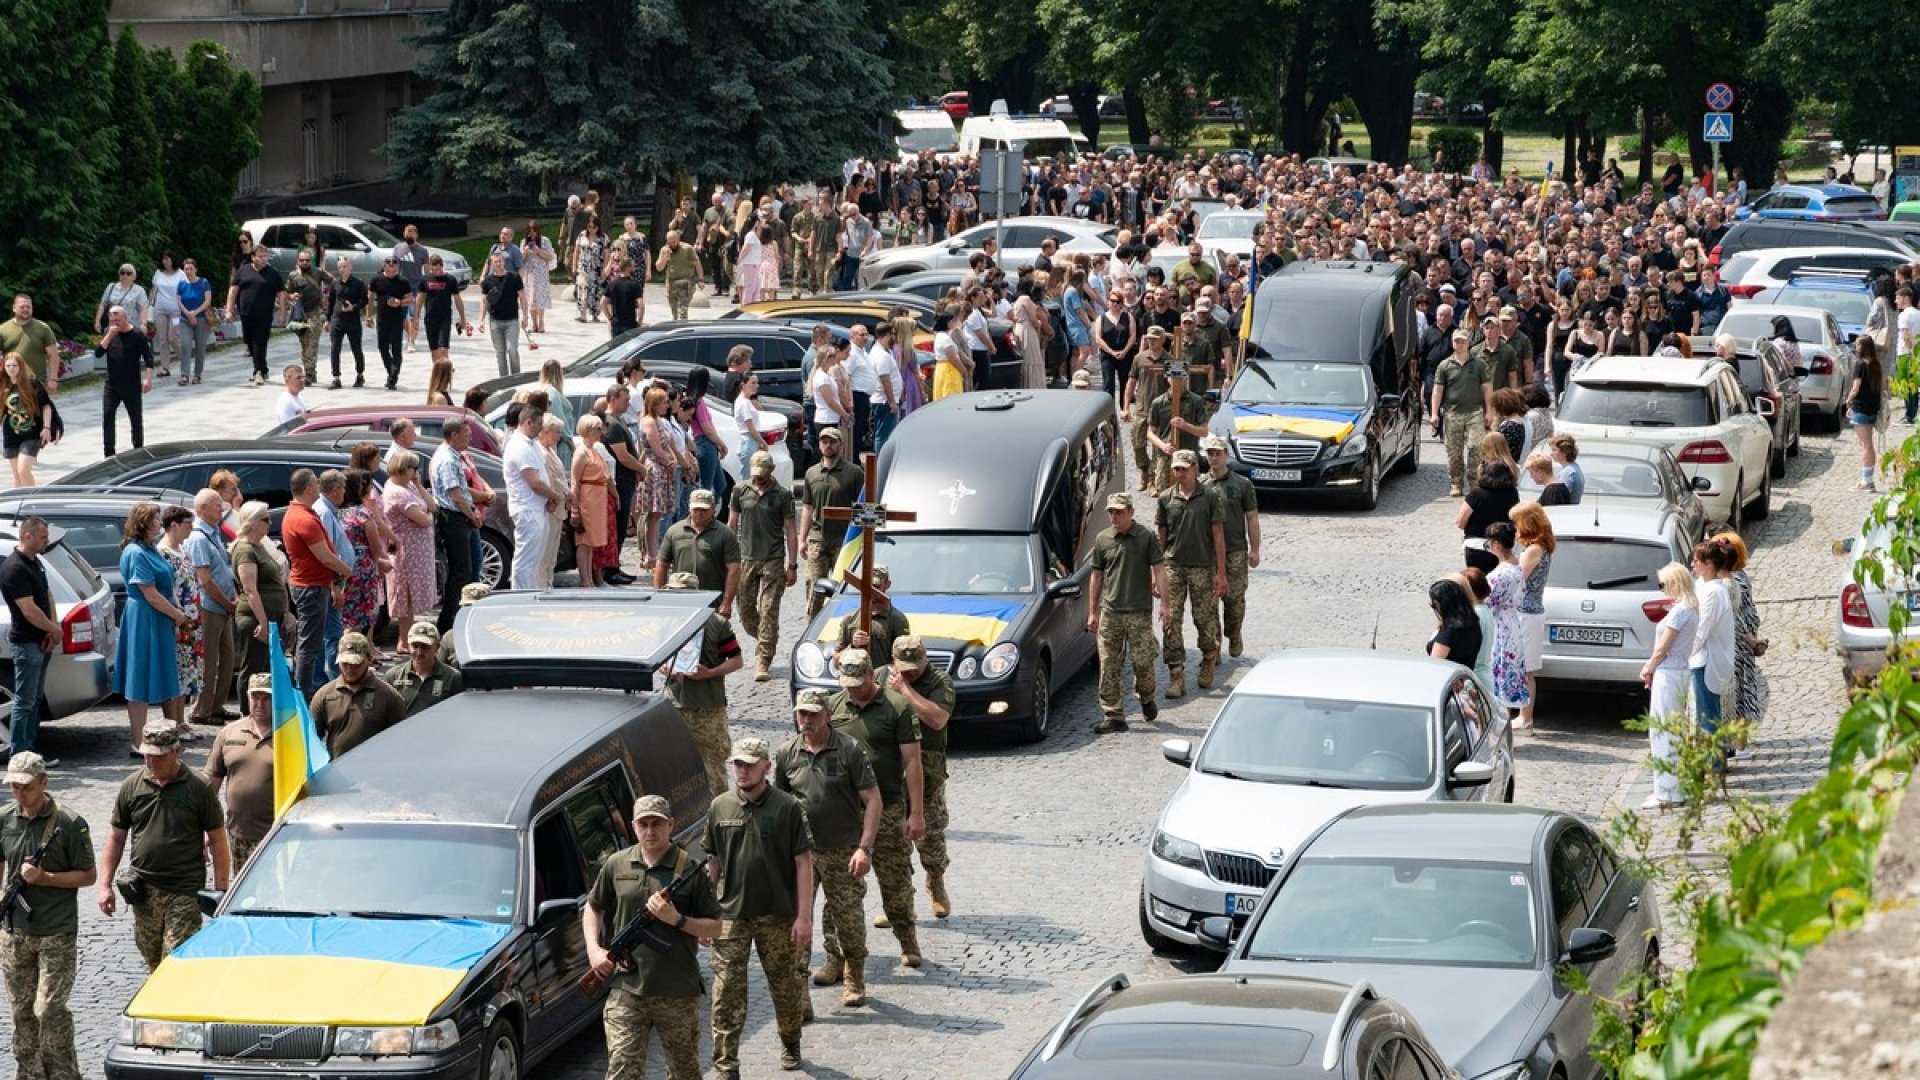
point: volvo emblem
(955, 492)
(1586, 605)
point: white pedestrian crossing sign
(1718, 127)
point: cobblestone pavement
(1047, 840)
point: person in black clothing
(33, 634)
(129, 364)
(252, 298)
(1457, 637)
(346, 306)
(623, 298)
(1489, 501)
(439, 296)
(1436, 344)
(389, 294)
(1552, 492)
(627, 466)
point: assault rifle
(11, 898)
(645, 929)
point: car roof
(1334, 277)
(1818, 279)
(1011, 436)
(480, 784)
(308, 219)
(1660, 370)
(1758, 308)
(114, 500)
(1462, 832)
(1622, 517)
(1815, 252)
(1390, 678)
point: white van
(1034, 137)
(926, 129)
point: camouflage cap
(260, 683)
(647, 806)
(157, 742)
(701, 498)
(750, 751)
(1081, 380)
(909, 653)
(761, 463)
(856, 667)
(830, 433)
(1185, 459)
(1212, 443)
(474, 592)
(683, 579)
(354, 648)
(812, 699)
(423, 633)
(25, 767)
(1176, 371)
(1119, 500)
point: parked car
(1825, 351)
(366, 243)
(95, 520)
(463, 956)
(1603, 600)
(80, 672)
(1640, 474)
(1696, 408)
(429, 420)
(1260, 1027)
(1020, 242)
(955, 102)
(1331, 166)
(1230, 232)
(1765, 232)
(930, 285)
(1749, 273)
(1766, 373)
(1814, 202)
(1306, 734)
(1863, 633)
(1846, 295)
(1466, 914)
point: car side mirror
(956, 247)
(362, 246)
(1588, 945)
(1178, 751)
(1065, 588)
(1700, 483)
(1765, 407)
(209, 901)
(1216, 931)
(1470, 774)
(549, 908)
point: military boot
(790, 1054)
(881, 922)
(937, 891)
(855, 992)
(830, 972)
(909, 946)
(762, 668)
(1206, 672)
(1176, 683)
(1235, 646)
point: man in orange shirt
(316, 579)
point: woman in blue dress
(146, 669)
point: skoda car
(1309, 733)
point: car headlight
(810, 661)
(1518, 1070)
(968, 668)
(162, 1034)
(1000, 660)
(395, 1041)
(1177, 851)
(1354, 447)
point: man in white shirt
(978, 340)
(1713, 642)
(1907, 333)
(864, 383)
(529, 498)
(886, 406)
(291, 405)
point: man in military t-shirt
(1208, 355)
(1240, 522)
(832, 481)
(1128, 571)
(304, 287)
(681, 264)
(829, 773)
(1193, 532)
(170, 820)
(763, 865)
(241, 761)
(803, 255)
(34, 340)
(1463, 394)
(879, 720)
(651, 990)
(826, 242)
(39, 947)
(1497, 353)
(716, 240)
(763, 519)
(422, 680)
(1146, 382)
(1176, 420)
(887, 624)
(703, 547)
(700, 692)
(358, 705)
(930, 696)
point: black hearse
(1329, 398)
(417, 913)
(1010, 489)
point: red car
(955, 103)
(428, 418)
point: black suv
(1754, 234)
(1223, 1027)
(1765, 373)
(95, 519)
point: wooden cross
(871, 516)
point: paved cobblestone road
(1047, 840)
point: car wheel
(1409, 462)
(1155, 940)
(1777, 464)
(1034, 727)
(501, 1058)
(1799, 425)
(496, 555)
(1764, 504)
(1507, 795)
(1737, 513)
(1638, 1014)
(1369, 495)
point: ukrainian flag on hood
(964, 619)
(1315, 422)
(273, 969)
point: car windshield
(104, 473)
(945, 563)
(429, 871)
(1736, 267)
(1229, 227)
(1845, 306)
(377, 236)
(1600, 563)
(1745, 326)
(89, 543)
(1634, 478)
(1343, 744)
(1403, 911)
(1301, 382)
(1635, 405)
(1863, 205)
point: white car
(1229, 232)
(1603, 597)
(1749, 272)
(1863, 633)
(366, 243)
(1020, 242)
(1306, 735)
(1824, 351)
(1694, 407)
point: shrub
(1460, 147)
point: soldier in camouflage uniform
(830, 774)
(929, 694)
(1129, 570)
(826, 243)
(1146, 382)
(170, 819)
(832, 481)
(305, 285)
(764, 868)
(885, 727)
(1240, 523)
(38, 949)
(652, 990)
(1193, 534)
(1176, 420)
(681, 264)
(763, 519)
(701, 694)
(803, 257)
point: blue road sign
(1719, 97)
(1718, 127)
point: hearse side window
(599, 824)
(1060, 522)
(557, 872)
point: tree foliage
(1823, 51)
(137, 196)
(209, 132)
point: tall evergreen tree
(136, 194)
(207, 123)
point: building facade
(334, 76)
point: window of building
(337, 168)
(309, 153)
(248, 183)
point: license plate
(1586, 635)
(1913, 601)
(1242, 905)
(1284, 476)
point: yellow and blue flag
(297, 750)
(847, 564)
(1546, 185)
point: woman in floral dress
(589, 256)
(367, 532)
(412, 590)
(536, 269)
(1508, 586)
(188, 645)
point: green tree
(136, 197)
(54, 117)
(1822, 51)
(208, 115)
